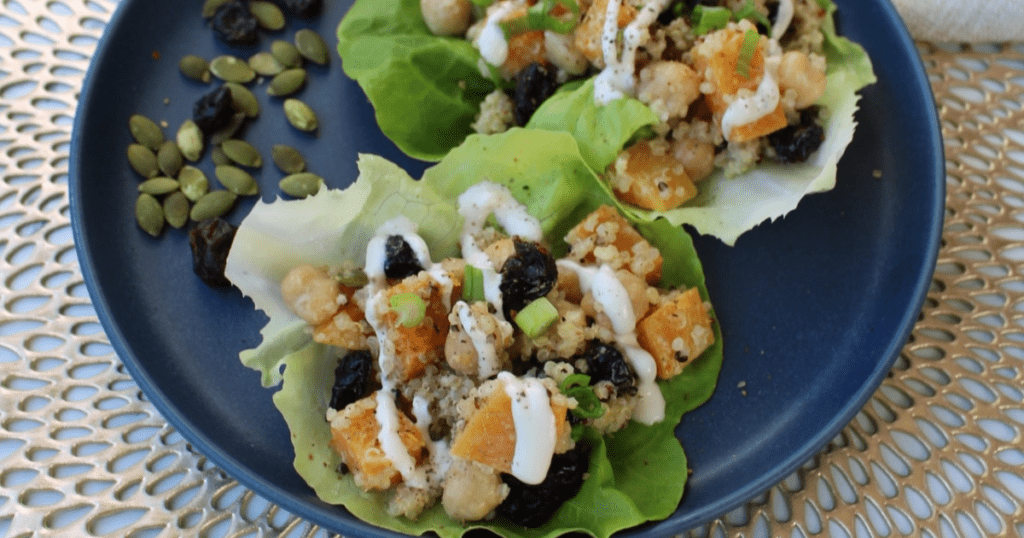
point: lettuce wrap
(426, 90)
(545, 171)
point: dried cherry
(353, 379)
(795, 143)
(399, 259)
(534, 84)
(213, 110)
(606, 363)
(527, 275)
(533, 505)
(210, 241)
(234, 24)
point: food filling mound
(469, 381)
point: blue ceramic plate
(814, 307)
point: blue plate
(814, 307)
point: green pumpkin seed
(143, 160)
(158, 186)
(193, 182)
(229, 130)
(210, 7)
(287, 82)
(242, 153)
(231, 69)
(169, 158)
(149, 214)
(311, 46)
(264, 63)
(286, 53)
(145, 131)
(301, 185)
(300, 115)
(212, 204)
(190, 140)
(287, 159)
(236, 180)
(195, 67)
(218, 156)
(267, 15)
(176, 209)
(243, 100)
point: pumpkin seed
(301, 185)
(176, 209)
(287, 159)
(264, 63)
(231, 69)
(145, 131)
(169, 158)
(218, 156)
(190, 140)
(286, 53)
(242, 153)
(158, 186)
(267, 14)
(236, 180)
(212, 204)
(300, 115)
(229, 130)
(287, 82)
(195, 67)
(149, 214)
(210, 7)
(193, 182)
(142, 160)
(311, 46)
(243, 100)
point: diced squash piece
(676, 332)
(587, 36)
(490, 433)
(354, 432)
(765, 125)
(423, 344)
(716, 60)
(605, 227)
(652, 181)
(523, 49)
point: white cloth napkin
(954, 21)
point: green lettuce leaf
(547, 172)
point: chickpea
(311, 293)
(803, 74)
(669, 88)
(447, 17)
(471, 490)
(697, 157)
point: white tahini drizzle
(487, 355)
(618, 78)
(783, 17)
(765, 99)
(535, 427)
(608, 291)
(491, 42)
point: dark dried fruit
(213, 111)
(795, 143)
(399, 259)
(681, 8)
(210, 241)
(533, 505)
(606, 363)
(235, 25)
(306, 9)
(353, 379)
(526, 276)
(534, 84)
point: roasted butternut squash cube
(422, 344)
(587, 36)
(651, 180)
(676, 332)
(716, 59)
(762, 126)
(354, 432)
(490, 433)
(606, 229)
(523, 49)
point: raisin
(533, 505)
(399, 259)
(353, 379)
(213, 110)
(210, 241)
(795, 143)
(606, 363)
(534, 84)
(306, 9)
(526, 276)
(234, 24)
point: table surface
(937, 451)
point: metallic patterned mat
(938, 451)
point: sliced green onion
(411, 308)
(577, 432)
(577, 386)
(536, 318)
(747, 50)
(539, 17)
(707, 18)
(748, 11)
(574, 380)
(482, 3)
(472, 284)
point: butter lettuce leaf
(547, 172)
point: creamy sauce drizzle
(783, 17)
(535, 427)
(618, 77)
(486, 353)
(491, 42)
